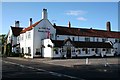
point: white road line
(50, 72)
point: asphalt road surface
(17, 69)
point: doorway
(68, 55)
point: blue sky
(80, 14)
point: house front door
(68, 53)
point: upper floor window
(97, 40)
(22, 50)
(26, 35)
(18, 38)
(93, 39)
(22, 37)
(87, 39)
(117, 40)
(73, 39)
(29, 35)
(104, 39)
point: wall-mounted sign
(45, 30)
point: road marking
(50, 72)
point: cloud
(81, 19)
(75, 12)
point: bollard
(87, 61)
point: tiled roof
(82, 44)
(92, 44)
(16, 30)
(30, 27)
(58, 43)
(61, 30)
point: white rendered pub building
(43, 39)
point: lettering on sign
(45, 30)
(42, 31)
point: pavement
(72, 62)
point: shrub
(21, 54)
(12, 54)
(27, 54)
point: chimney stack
(54, 24)
(69, 24)
(108, 25)
(30, 21)
(44, 14)
(17, 24)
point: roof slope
(61, 30)
(30, 27)
(92, 44)
(82, 44)
(16, 30)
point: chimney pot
(30, 21)
(54, 24)
(108, 25)
(17, 24)
(44, 14)
(69, 24)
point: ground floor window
(22, 50)
(83, 49)
(29, 50)
(17, 49)
(73, 50)
(96, 50)
(92, 49)
(37, 51)
(86, 50)
(103, 49)
(26, 49)
(63, 50)
(56, 50)
(78, 51)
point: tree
(2, 40)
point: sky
(80, 14)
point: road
(19, 69)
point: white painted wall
(48, 51)
(39, 36)
(14, 42)
(13, 38)
(117, 47)
(9, 36)
(27, 42)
